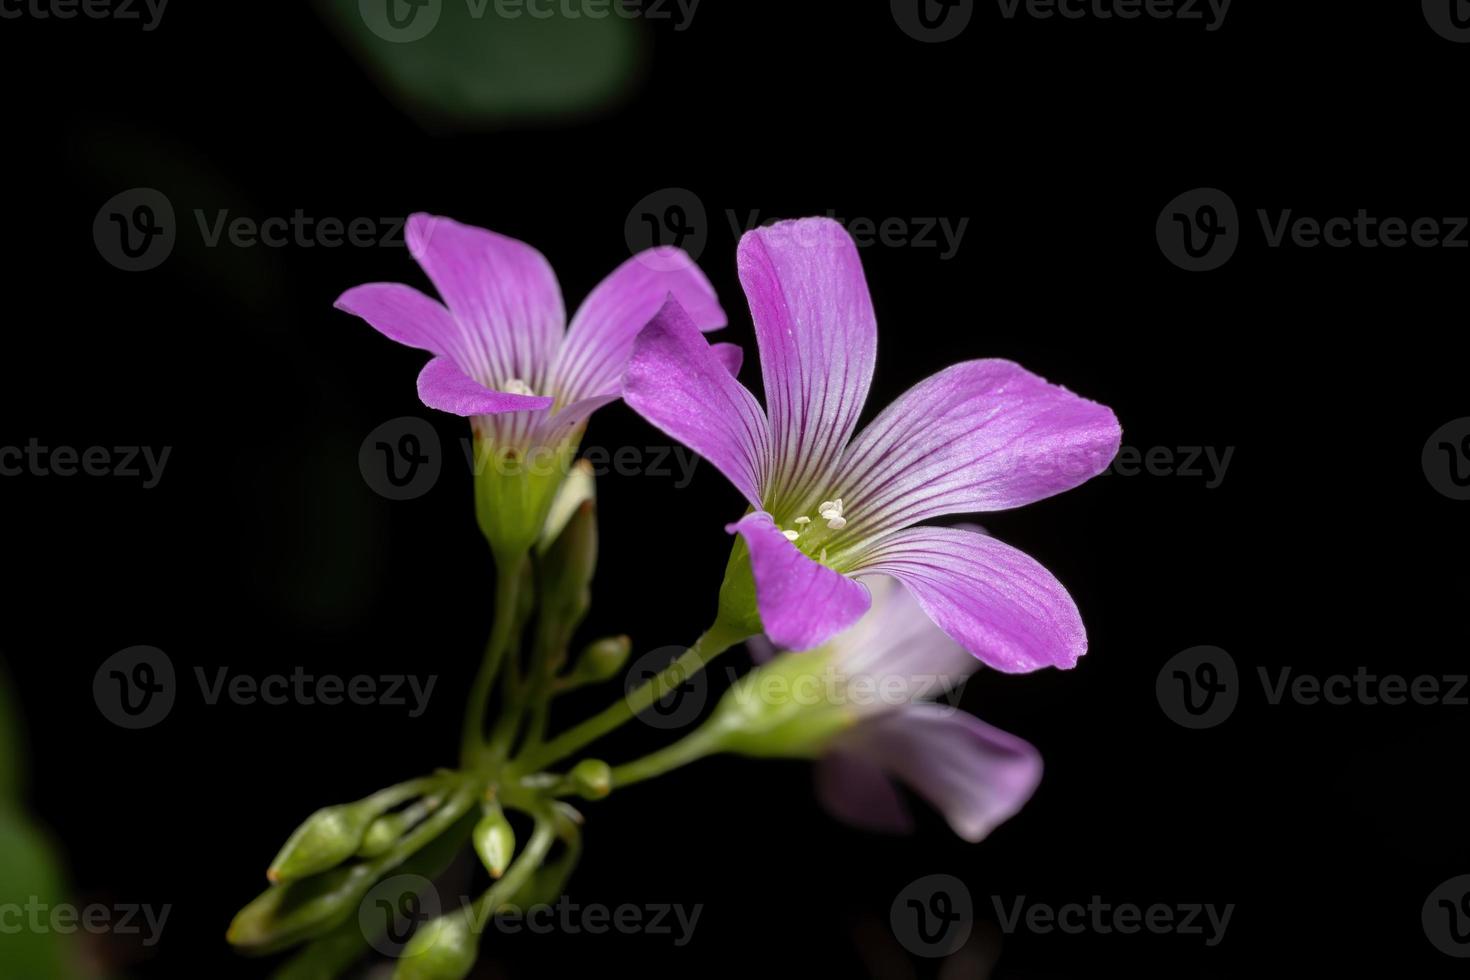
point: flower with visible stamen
(505, 357)
(978, 436)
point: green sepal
(514, 491)
(750, 722)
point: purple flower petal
(503, 293)
(730, 355)
(898, 640)
(859, 793)
(802, 603)
(818, 338)
(977, 436)
(603, 330)
(678, 383)
(976, 775)
(444, 386)
(403, 314)
(995, 601)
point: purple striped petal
(818, 338)
(976, 775)
(730, 355)
(604, 329)
(444, 386)
(802, 603)
(679, 384)
(859, 793)
(403, 314)
(503, 293)
(977, 436)
(995, 601)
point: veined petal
(444, 386)
(976, 775)
(603, 331)
(978, 436)
(818, 338)
(858, 792)
(503, 292)
(553, 428)
(730, 355)
(403, 314)
(802, 603)
(995, 601)
(678, 383)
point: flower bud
(284, 915)
(590, 779)
(381, 835)
(566, 569)
(599, 661)
(327, 838)
(495, 840)
(444, 949)
(579, 487)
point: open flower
(503, 353)
(875, 723)
(978, 436)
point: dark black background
(1324, 548)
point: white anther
(791, 535)
(837, 523)
(831, 511)
(515, 386)
(803, 520)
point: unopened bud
(599, 661)
(444, 949)
(495, 840)
(327, 838)
(287, 914)
(591, 779)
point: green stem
(716, 640)
(507, 586)
(693, 747)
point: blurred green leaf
(465, 63)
